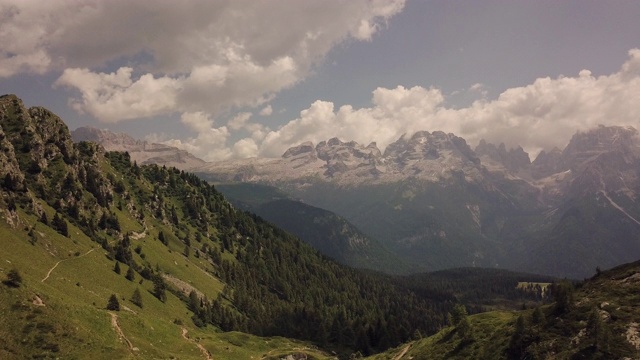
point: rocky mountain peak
(336, 150)
(430, 146)
(305, 149)
(100, 136)
(546, 163)
(587, 145)
(140, 151)
(334, 141)
(37, 135)
(514, 159)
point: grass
(74, 324)
(490, 336)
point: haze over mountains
(437, 203)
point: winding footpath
(58, 263)
(116, 327)
(403, 352)
(203, 350)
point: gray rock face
(514, 159)
(546, 163)
(305, 150)
(140, 151)
(586, 146)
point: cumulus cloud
(116, 96)
(266, 111)
(239, 121)
(191, 56)
(538, 116)
(245, 148)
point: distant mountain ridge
(423, 155)
(434, 200)
(140, 151)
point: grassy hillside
(59, 310)
(597, 319)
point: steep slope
(596, 320)
(68, 218)
(327, 232)
(593, 216)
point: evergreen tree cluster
(479, 287)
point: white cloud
(245, 148)
(537, 116)
(208, 145)
(197, 121)
(239, 121)
(266, 111)
(116, 96)
(198, 55)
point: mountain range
(437, 203)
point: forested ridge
(275, 284)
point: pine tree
(14, 279)
(194, 301)
(458, 318)
(136, 298)
(116, 268)
(598, 332)
(456, 315)
(162, 238)
(43, 218)
(131, 274)
(9, 182)
(159, 288)
(464, 330)
(563, 295)
(517, 342)
(60, 225)
(113, 303)
(537, 318)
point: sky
(228, 79)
